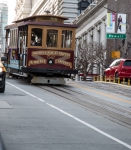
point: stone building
(92, 28)
(91, 22)
(67, 8)
(92, 25)
(123, 7)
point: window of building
(83, 4)
(99, 36)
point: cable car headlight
(50, 61)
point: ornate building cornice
(87, 13)
(22, 9)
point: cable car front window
(52, 38)
(36, 37)
(66, 39)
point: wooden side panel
(43, 58)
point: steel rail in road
(107, 109)
(114, 87)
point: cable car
(41, 49)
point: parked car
(119, 68)
(2, 75)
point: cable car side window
(52, 38)
(36, 37)
(66, 39)
(10, 42)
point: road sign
(115, 54)
(115, 36)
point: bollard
(94, 78)
(109, 79)
(97, 78)
(129, 83)
(118, 80)
(105, 78)
(114, 80)
(100, 78)
(123, 81)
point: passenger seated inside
(36, 37)
(39, 42)
(33, 42)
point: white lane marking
(21, 90)
(40, 99)
(92, 127)
(26, 92)
(75, 118)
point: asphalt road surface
(77, 116)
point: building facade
(3, 23)
(123, 7)
(91, 30)
(91, 19)
(92, 26)
(66, 8)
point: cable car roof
(42, 20)
(48, 17)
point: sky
(11, 9)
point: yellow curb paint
(103, 94)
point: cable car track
(112, 111)
(115, 88)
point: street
(79, 115)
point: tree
(91, 56)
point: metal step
(48, 80)
(20, 75)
